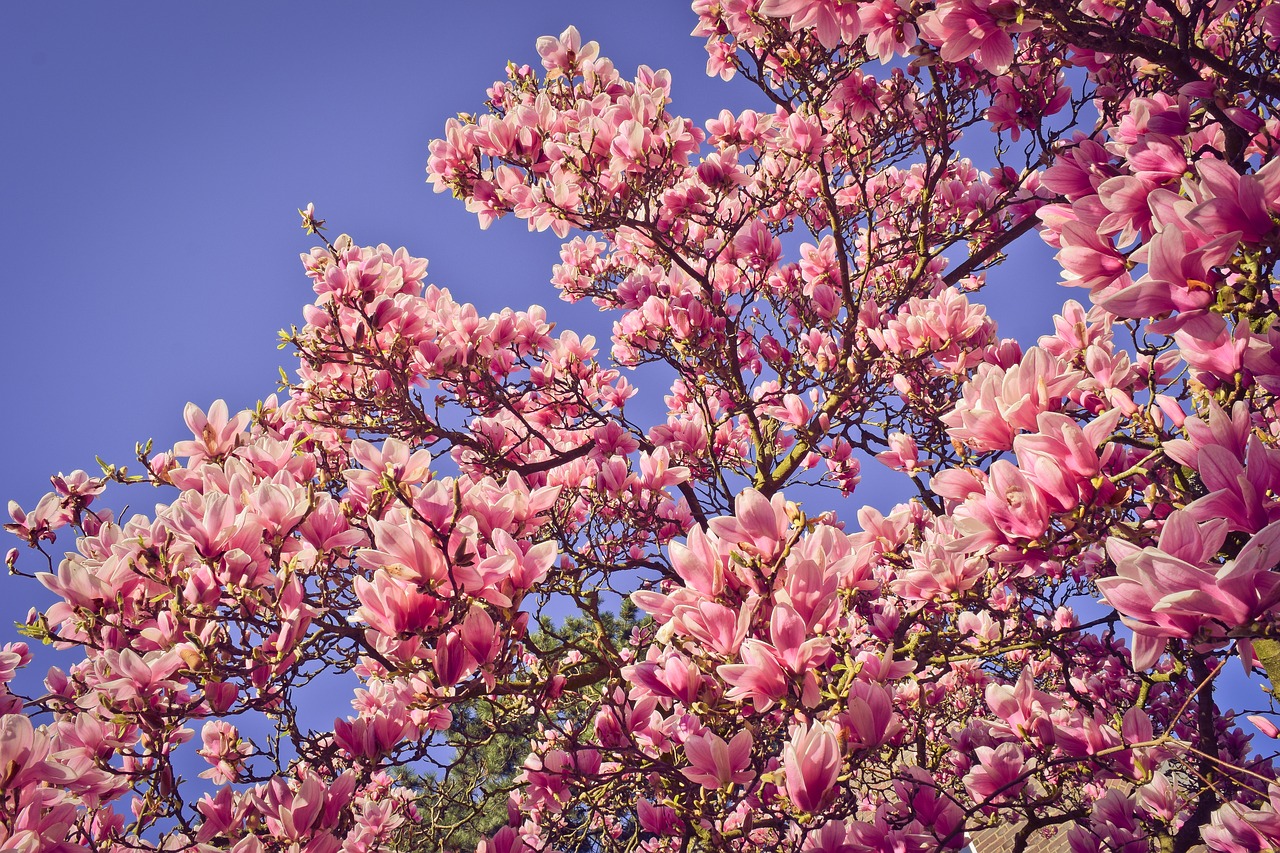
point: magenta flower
(1234, 202)
(977, 28)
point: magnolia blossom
(812, 764)
(714, 763)
(1174, 591)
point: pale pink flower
(216, 434)
(223, 749)
(811, 761)
(833, 20)
(758, 523)
(759, 679)
(998, 775)
(566, 54)
(714, 763)
(1173, 591)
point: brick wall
(1001, 839)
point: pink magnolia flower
(216, 433)
(997, 403)
(1181, 276)
(1240, 494)
(1264, 725)
(25, 756)
(714, 763)
(998, 775)
(518, 565)
(392, 606)
(1233, 202)
(799, 652)
(1233, 829)
(566, 53)
(1011, 510)
(1174, 591)
(669, 676)
(370, 737)
(224, 749)
(978, 28)
(811, 761)
(760, 677)
(1062, 458)
(1088, 258)
(660, 820)
(870, 715)
(698, 564)
(809, 587)
(451, 659)
(405, 550)
(1025, 709)
(833, 20)
(1160, 798)
(719, 628)
(1214, 350)
(507, 840)
(1080, 170)
(13, 656)
(902, 454)
(41, 522)
(1125, 196)
(480, 636)
(889, 28)
(758, 524)
(657, 472)
(1158, 157)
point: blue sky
(156, 155)
(155, 159)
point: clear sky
(155, 154)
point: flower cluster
(1036, 636)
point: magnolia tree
(1036, 636)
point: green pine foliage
(462, 798)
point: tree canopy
(1038, 635)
